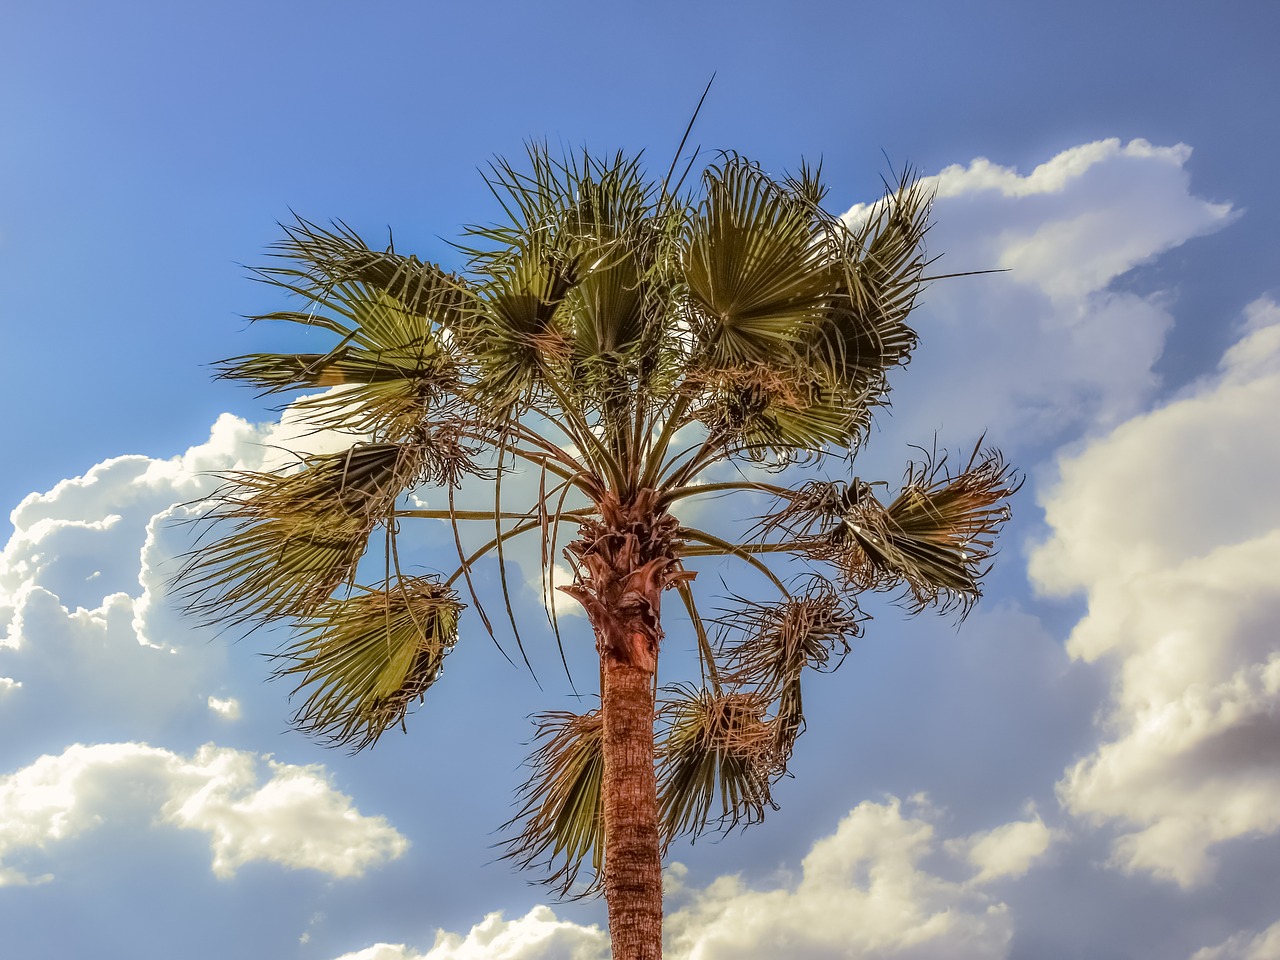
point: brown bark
(632, 846)
(626, 560)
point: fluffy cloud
(83, 617)
(1006, 851)
(1053, 345)
(1245, 946)
(1170, 527)
(862, 893)
(294, 819)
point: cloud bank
(1170, 527)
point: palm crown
(620, 338)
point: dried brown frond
(716, 743)
(445, 459)
(560, 825)
(776, 642)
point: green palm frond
(863, 332)
(780, 414)
(390, 314)
(364, 660)
(754, 266)
(609, 307)
(560, 825)
(575, 273)
(518, 332)
(296, 537)
(316, 259)
(716, 745)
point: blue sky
(1088, 767)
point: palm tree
(634, 346)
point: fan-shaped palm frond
(365, 659)
(753, 266)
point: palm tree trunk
(632, 858)
(627, 560)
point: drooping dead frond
(365, 659)
(446, 459)
(716, 744)
(775, 642)
(560, 825)
(295, 537)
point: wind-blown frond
(366, 659)
(316, 260)
(391, 315)
(934, 540)
(296, 537)
(560, 825)
(863, 332)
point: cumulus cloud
(1245, 946)
(228, 708)
(83, 580)
(295, 818)
(863, 892)
(1009, 850)
(1053, 344)
(1170, 527)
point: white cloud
(294, 819)
(1245, 946)
(538, 935)
(1171, 529)
(83, 579)
(1052, 344)
(1006, 851)
(228, 708)
(862, 893)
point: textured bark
(625, 562)
(632, 847)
